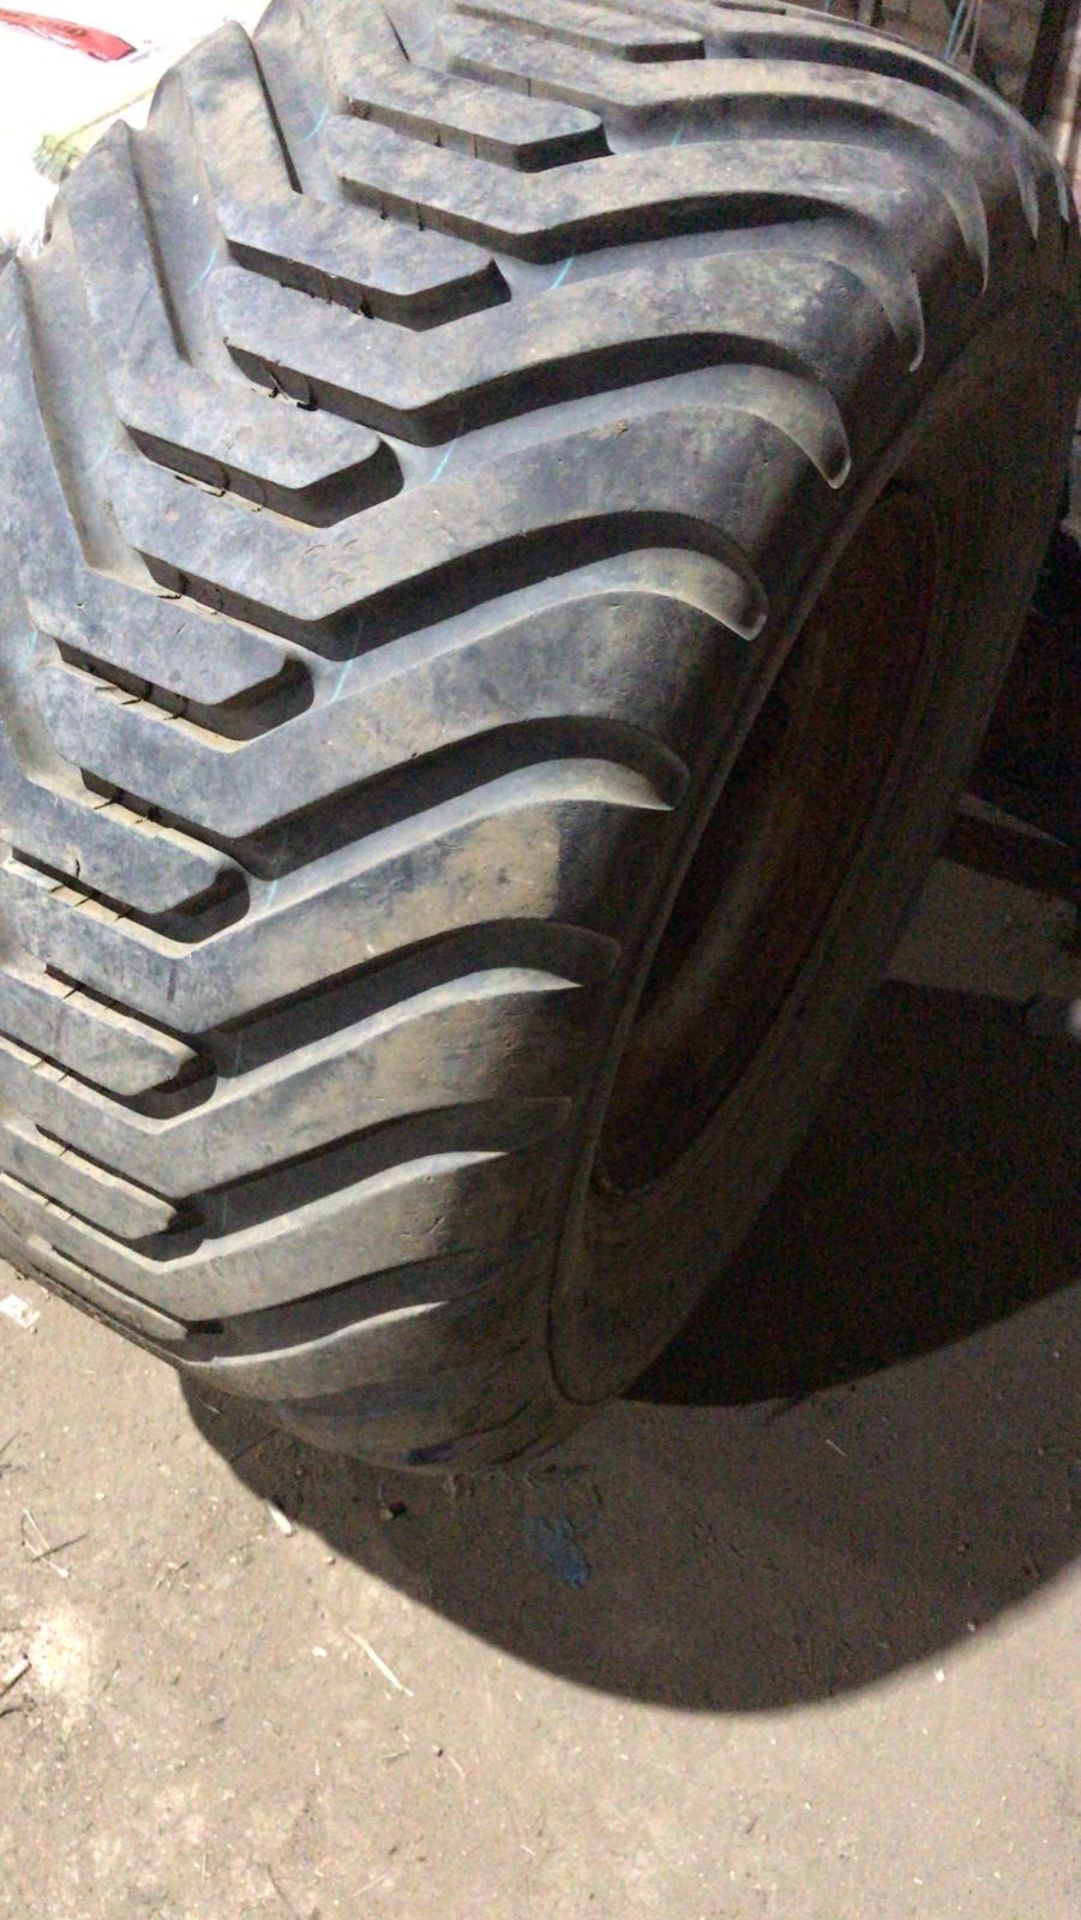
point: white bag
(56, 100)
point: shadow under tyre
(514, 517)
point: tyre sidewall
(632, 1268)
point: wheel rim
(777, 846)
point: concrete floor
(793, 1634)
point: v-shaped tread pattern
(395, 437)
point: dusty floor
(793, 1634)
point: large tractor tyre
(514, 516)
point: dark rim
(777, 846)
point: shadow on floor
(865, 1447)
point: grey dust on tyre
(514, 516)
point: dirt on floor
(793, 1633)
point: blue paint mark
(101, 458)
(207, 271)
(318, 127)
(441, 467)
(677, 136)
(282, 843)
(563, 272)
(554, 1543)
(346, 664)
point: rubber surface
(416, 446)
